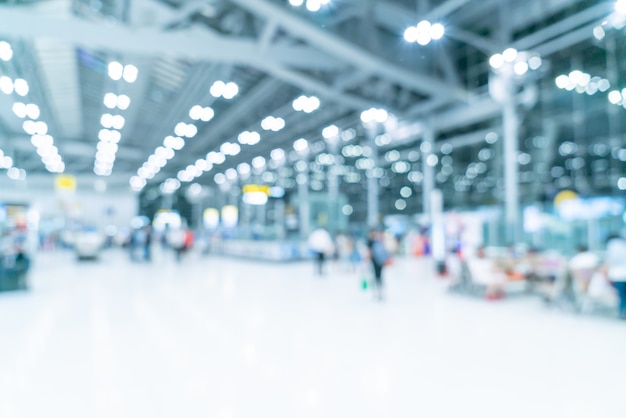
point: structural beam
(348, 52)
(192, 43)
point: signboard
(65, 182)
(256, 188)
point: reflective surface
(229, 338)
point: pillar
(373, 208)
(428, 182)
(510, 121)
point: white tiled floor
(229, 338)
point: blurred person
(615, 266)
(379, 257)
(147, 245)
(581, 267)
(321, 244)
(344, 250)
(484, 271)
(136, 243)
(176, 238)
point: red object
(188, 239)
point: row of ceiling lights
(110, 134)
(162, 154)
(38, 130)
(311, 5)
(171, 144)
(582, 82)
(14, 173)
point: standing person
(379, 257)
(616, 268)
(176, 241)
(147, 245)
(322, 246)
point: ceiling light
(118, 122)
(534, 62)
(620, 7)
(160, 152)
(271, 123)
(306, 104)
(374, 115)
(509, 54)
(106, 120)
(330, 132)
(277, 154)
(6, 85)
(219, 178)
(6, 162)
(217, 88)
(195, 113)
(178, 143)
(410, 34)
(21, 87)
(19, 109)
(137, 182)
(520, 68)
(296, 3)
(123, 102)
(437, 31)
(30, 127)
(180, 129)
(231, 174)
(615, 97)
(215, 157)
(243, 169)
(191, 131)
(496, 61)
(230, 90)
(32, 111)
(207, 114)
(130, 73)
(313, 5)
(6, 52)
(249, 138)
(300, 145)
(115, 70)
(562, 81)
(201, 164)
(258, 162)
(110, 100)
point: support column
(373, 207)
(304, 204)
(510, 120)
(428, 182)
(333, 189)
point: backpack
(379, 253)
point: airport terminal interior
(312, 208)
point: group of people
(180, 240)
(584, 278)
(346, 249)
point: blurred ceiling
(351, 55)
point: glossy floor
(221, 338)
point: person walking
(616, 269)
(379, 257)
(321, 244)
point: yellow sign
(564, 196)
(65, 182)
(256, 188)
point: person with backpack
(379, 257)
